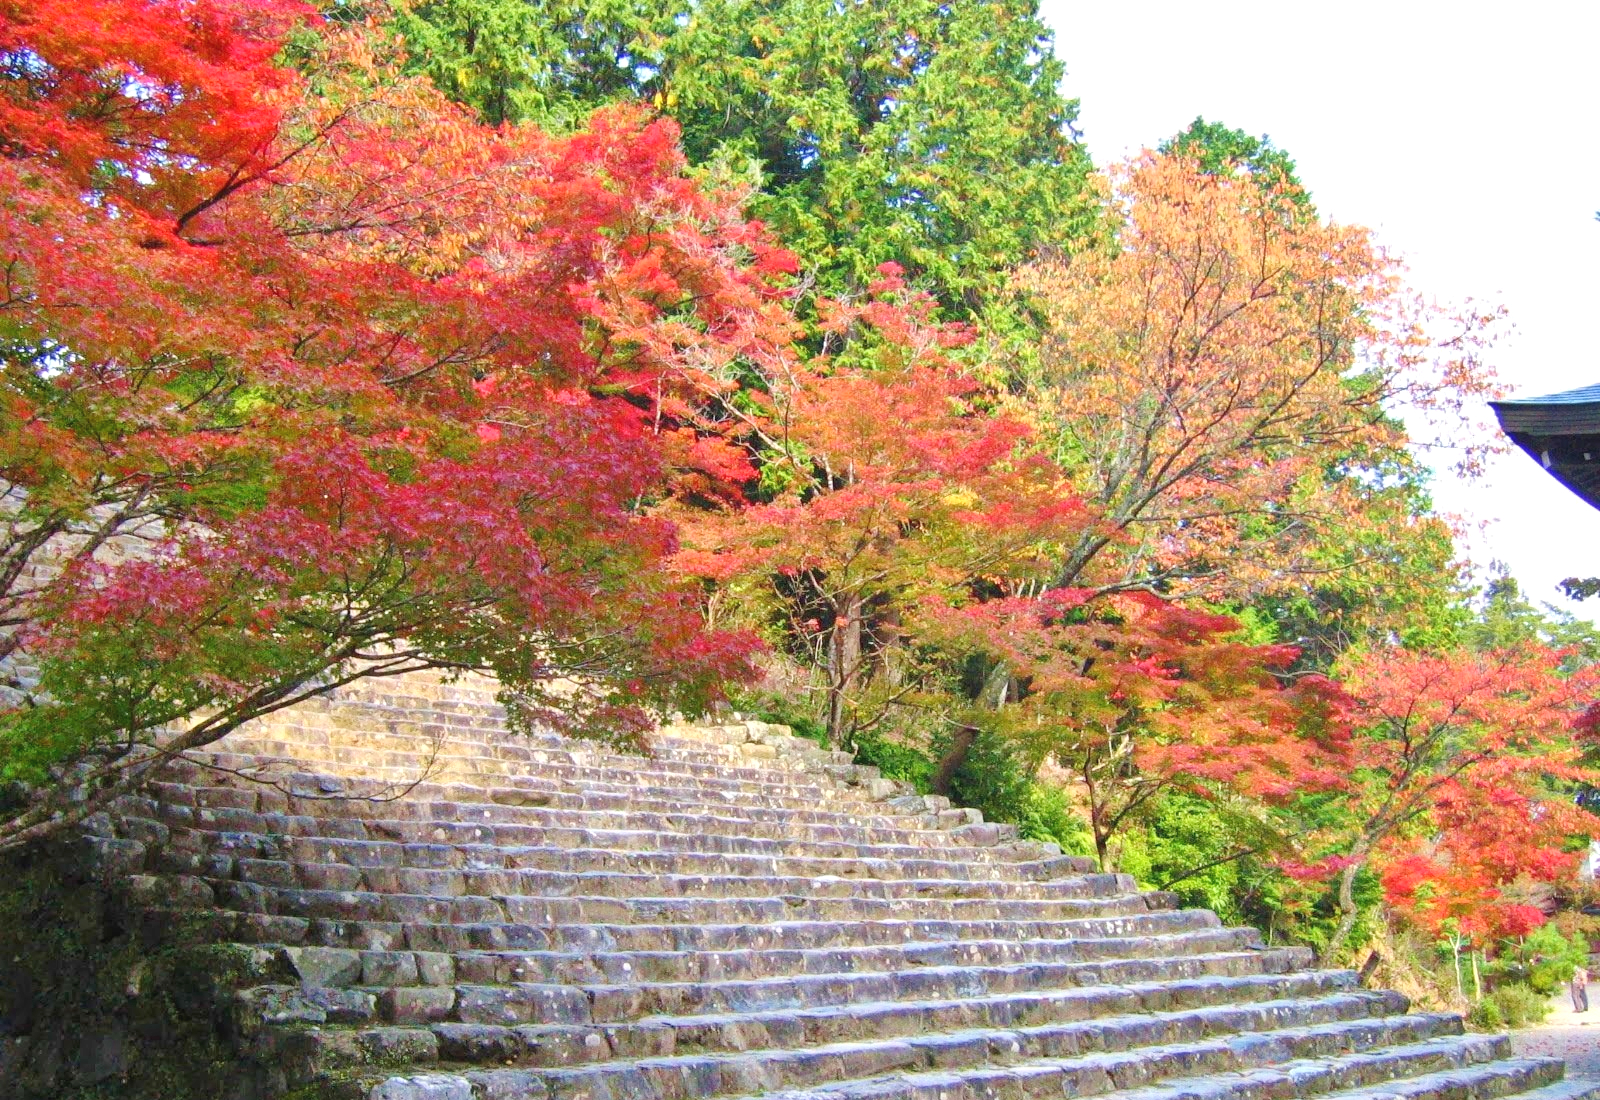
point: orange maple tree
(1222, 380)
(1465, 764)
(887, 480)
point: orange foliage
(1200, 378)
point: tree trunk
(952, 760)
(1102, 847)
(1347, 907)
(991, 696)
(844, 664)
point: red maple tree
(1132, 696)
(1465, 767)
(308, 376)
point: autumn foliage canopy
(309, 374)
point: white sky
(1466, 135)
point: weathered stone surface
(417, 1005)
(324, 966)
(429, 1086)
(743, 912)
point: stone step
(198, 892)
(1365, 1079)
(355, 707)
(887, 997)
(350, 757)
(1478, 1082)
(354, 759)
(528, 780)
(221, 926)
(616, 1003)
(493, 749)
(475, 822)
(323, 966)
(533, 793)
(184, 847)
(734, 1050)
(1241, 1069)
(1355, 1050)
(537, 882)
(1146, 1012)
(216, 853)
(363, 712)
(368, 843)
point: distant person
(1580, 990)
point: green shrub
(1050, 816)
(1548, 959)
(1486, 1015)
(990, 779)
(896, 761)
(1510, 1005)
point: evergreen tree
(926, 133)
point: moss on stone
(96, 1006)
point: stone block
(393, 1046)
(435, 968)
(417, 1004)
(324, 966)
(477, 1043)
(344, 1006)
(427, 1086)
(388, 968)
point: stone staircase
(431, 908)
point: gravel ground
(1566, 1034)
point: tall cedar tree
(313, 377)
(921, 132)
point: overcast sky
(1466, 136)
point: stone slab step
(634, 1000)
(538, 787)
(181, 851)
(359, 771)
(559, 1013)
(537, 882)
(815, 1026)
(1461, 1085)
(419, 801)
(361, 712)
(1468, 1080)
(1329, 1023)
(1239, 1070)
(198, 892)
(626, 967)
(488, 823)
(366, 843)
(336, 967)
(1087, 1075)
(509, 1004)
(1057, 1048)
(497, 752)
(1144, 1015)
(258, 928)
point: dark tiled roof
(1571, 412)
(1561, 431)
(1582, 395)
